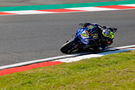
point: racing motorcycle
(79, 43)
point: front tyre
(70, 47)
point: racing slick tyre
(70, 47)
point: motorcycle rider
(102, 36)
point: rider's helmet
(108, 33)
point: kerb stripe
(28, 67)
(118, 7)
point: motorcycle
(84, 42)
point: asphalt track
(31, 37)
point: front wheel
(70, 47)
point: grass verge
(111, 72)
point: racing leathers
(102, 36)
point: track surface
(30, 37)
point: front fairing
(83, 36)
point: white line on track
(71, 58)
(67, 60)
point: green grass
(111, 72)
